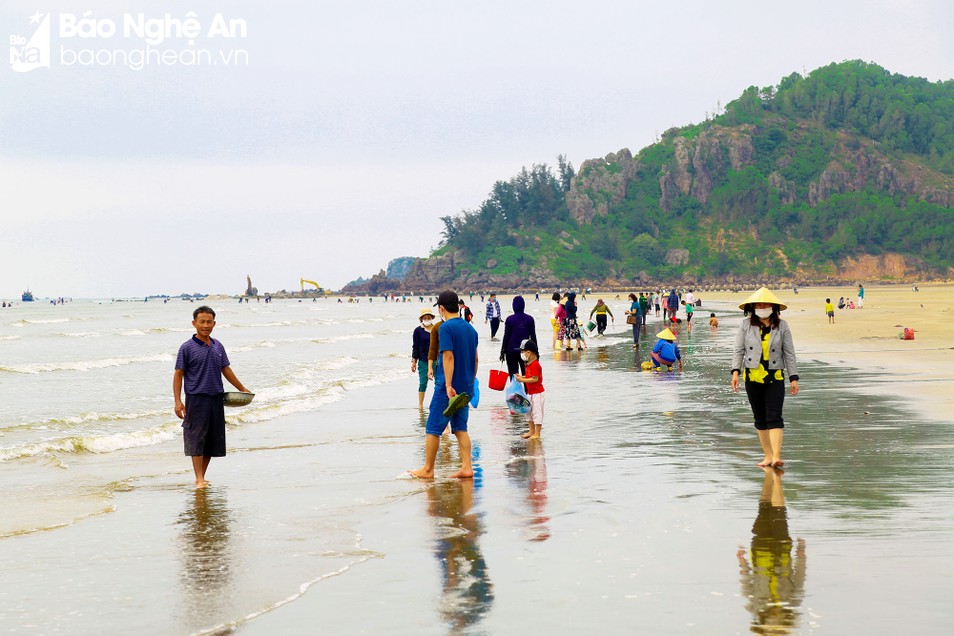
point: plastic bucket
(590, 326)
(498, 379)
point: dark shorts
(203, 430)
(766, 401)
(436, 422)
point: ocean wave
(81, 334)
(97, 444)
(357, 336)
(91, 417)
(84, 365)
(9, 337)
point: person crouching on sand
(666, 351)
(200, 365)
(533, 381)
(764, 349)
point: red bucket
(498, 379)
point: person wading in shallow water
(764, 350)
(454, 377)
(200, 365)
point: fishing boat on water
(27, 296)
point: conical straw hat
(665, 334)
(763, 295)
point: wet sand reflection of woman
(207, 559)
(467, 589)
(773, 583)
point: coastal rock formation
(599, 184)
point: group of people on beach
(445, 351)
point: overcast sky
(354, 125)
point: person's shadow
(772, 581)
(205, 553)
(467, 589)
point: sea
(641, 509)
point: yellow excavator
(311, 282)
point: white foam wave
(85, 365)
(9, 337)
(93, 443)
(81, 334)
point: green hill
(846, 173)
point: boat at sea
(27, 296)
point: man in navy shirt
(200, 365)
(453, 377)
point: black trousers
(515, 363)
(494, 326)
(766, 401)
(600, 323)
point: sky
(320, 140)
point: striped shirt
(202, 366)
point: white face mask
(525, 356)
(764, 312)
(427, 323)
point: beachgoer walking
(465, 311)
(657, 300)
(830, 311)
(492, 315)
(454, 377)
(861, 296)
(666, 351)
(672, 303)
(635, 312)
(764, 349)
(601, 309)
(533, 382)
(572, 331)
(690, 309)
(518, 327)
(421, 343)
(555, 321)
(643, 306)
(200, 365)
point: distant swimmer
(200, 365)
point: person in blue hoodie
(518, 327)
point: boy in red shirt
(533, 381)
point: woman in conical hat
(666, 352)
(762, 355)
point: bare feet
(534, 437)
(422, 473)
(765, 463)
(527, 435)
(778, 463)
(201, 483)
(463, 474)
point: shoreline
(866, 339)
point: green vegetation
(849, 160)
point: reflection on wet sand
(467, 589)
(206, 557)
(528, 466)
(773, 583)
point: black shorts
(203, 429)
(766, 401)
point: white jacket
(748, 349)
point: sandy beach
(641, 511)
(867, 338)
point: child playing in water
(666, 352)
(713, 321)
(533, 380)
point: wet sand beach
(640, 511)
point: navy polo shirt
(202, 366)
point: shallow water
(634, 514)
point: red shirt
(534, 369)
